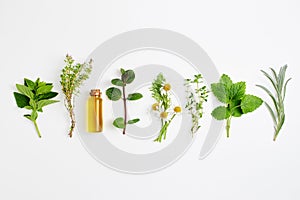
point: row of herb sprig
(35, 95)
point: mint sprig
(34, 96)
(236, 101)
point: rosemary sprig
(72, 77)
(197, 94)
(279, 85)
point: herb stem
(37, 128)
(125, 109)
(228, 121)
(72, 116)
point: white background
(241, 37)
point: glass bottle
(94, 112)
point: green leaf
(25, 90)
(45, 102)
(119, 122)
(250, 103)
(44, 89)
(29, 83)
(220, 113)
(48, 95)
(128, 76)
(226, 81)
(134, 96)
(113, 94)
(219, 91)
(122, 71)
(284, 90)
(28, 117)
(271, 113)
(117, 82)
(21, 100)
(133, 121)
(271, 96)
(235, 108)
(237, 90)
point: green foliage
(119, 122)
(134, 96)
(34, 96)
(115, 94)
(220, 113)
(236, 101)
(71, 78)
(279, 87)
(197, 94)
(133, 121)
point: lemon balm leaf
(220, 113)
(250, 103)
(219, 90)
(236, 102)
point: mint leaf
(250, 103)
(134, 96)
(113, 94)
(219, 90)
(237, 90)
(133, 121)
(220, 113)
(119, 122)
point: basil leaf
(21, 100)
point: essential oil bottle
(94, 112)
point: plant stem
(37, 128)
(72, 116)
(125, 109)
(228, 126)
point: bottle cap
(95, 92)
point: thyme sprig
(197, 94)
(72, 77)
(279, 86)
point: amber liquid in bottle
(94, 112)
